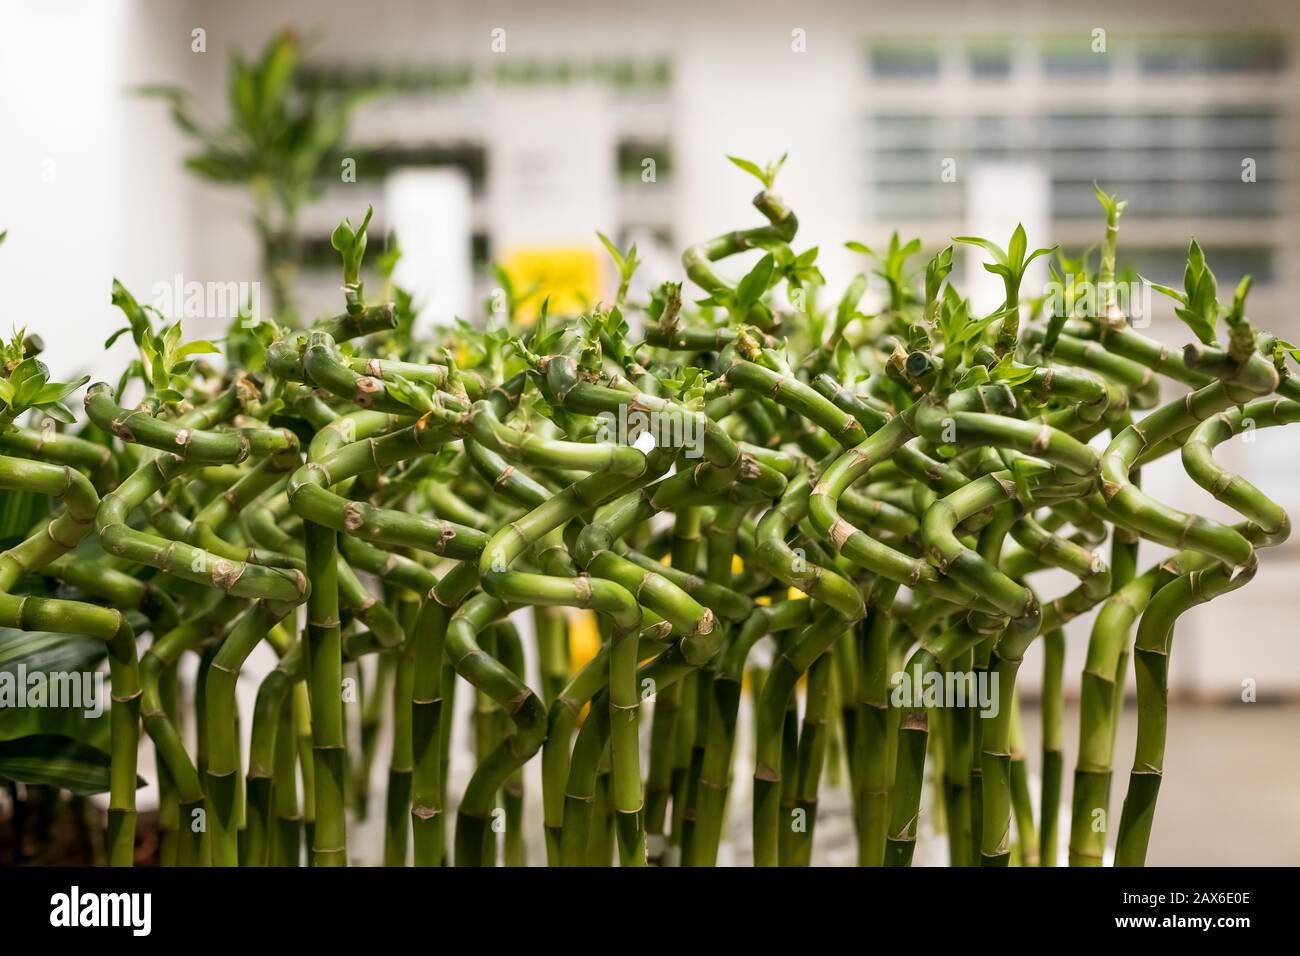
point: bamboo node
(915, 720)
(226, 573)
(704, 625)
(915, 571)
(1043, 440)
(353, 518)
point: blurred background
(506, 133)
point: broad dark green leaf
(43, 650)
(56, 761)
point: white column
(430, 212)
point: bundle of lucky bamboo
(870, 494)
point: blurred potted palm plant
(276, 143)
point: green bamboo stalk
(302, 724)
(430, 712)
(726, 689)
(222, 773)
(1151, 663)
(1053, 704)
(811, 757)
(286, 842)
(696, 260)
(325, 679)
(1026, 846)
(872, 804)
(682, 746)
(397, 804)
(785, 847)
(515, 850)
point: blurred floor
(1231, 790)
(1230, 796)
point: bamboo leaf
(1196, 321)
(612, 250)
(1166, 290)
(1113, 205)
(992, 248)
(58, 391)
(171, 338)
(408, 393)
(28, 379)
(141, 328)
(1045, 251)
(197, 347)
(1016, 250)
(936, 271)
(343, 236)
(219, 167)
(751, 288)
(775, 168)
(1237, 314)
(277, 69)
(752, 168)
(59, 412)
(1009, 371)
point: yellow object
(568, 275)
(584, 639)
(737, 564)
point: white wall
(90, 186)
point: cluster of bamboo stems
(869, 494)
